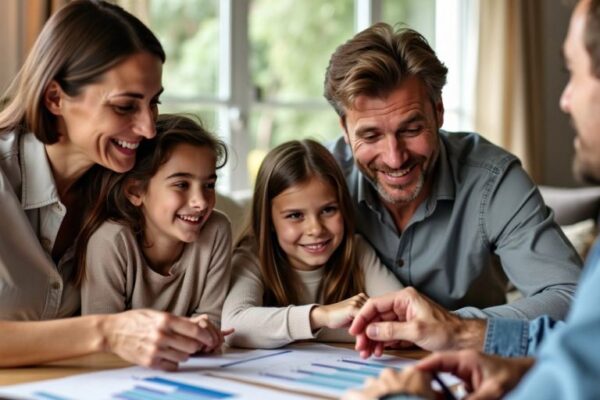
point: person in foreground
(443, 210)
(153, 239)
(85, 98)
(567, 365)
(299, 270)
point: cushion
(581, 235)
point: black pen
(448, 395)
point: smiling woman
(105, 122)
(84, 99)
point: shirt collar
(38, 187)
(443, 184)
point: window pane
(208, 114)
(189, 33)
(291, 42)
(416, 14)
(272, 126)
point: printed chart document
(142, 384)
(314, 369)
(294, 372)
(139, 383)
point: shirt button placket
(54, 296)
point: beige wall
(9, 42)
(558, 133)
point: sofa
(577, 211)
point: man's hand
(486, 376)
(408, 381)
(408, 316)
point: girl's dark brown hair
(289, 164)
(76, 46)
(108, 198)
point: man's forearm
(470, 334)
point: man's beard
(388, 198)
(372, 171)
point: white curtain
(509, 75)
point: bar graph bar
(167, 389)
(49, 396)
(364, 371)
(368, 364)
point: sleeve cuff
(507, 337)
(299, 322)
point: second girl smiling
(299, 271)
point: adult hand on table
(408, 316)
(152, 338)
(218, 336)
(485, 376)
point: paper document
(308, 370)
(315, 368)
(141, 384)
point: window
(253, 70)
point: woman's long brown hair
(294, 163)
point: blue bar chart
(292, 373)
(321, 370)
(137, 383)
(332, 375)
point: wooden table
(99, 362)
(61, 369)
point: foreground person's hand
(485, 376)
(410, 381)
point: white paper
(312, 369)
(315, 368)
(143, 383)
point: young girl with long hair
(299, 270)
(155, 241)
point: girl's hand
(338, 315)
(217, 335)
(155, 339)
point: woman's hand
(216, 334)
(408, 381)
(338, 315)
(155, 339)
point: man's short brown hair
(375, 61)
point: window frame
(234, 102)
